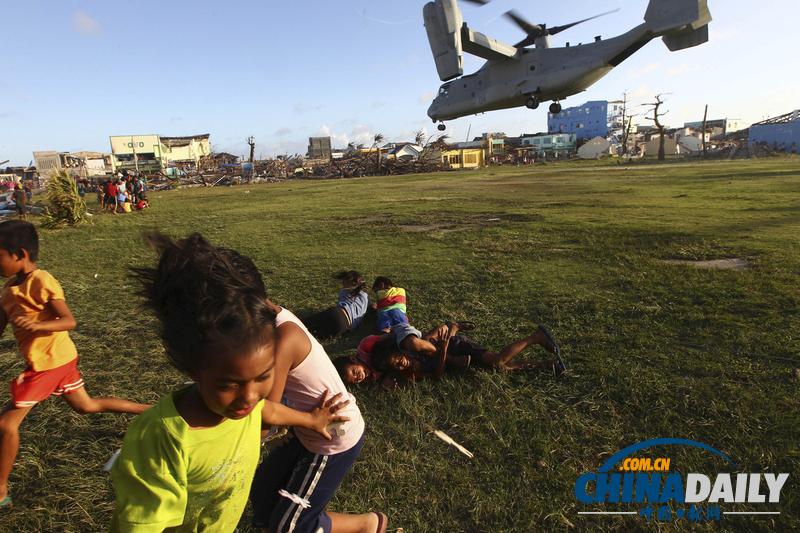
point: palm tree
(378, 139)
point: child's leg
(355, 523)
(315, 478)
(509, 352)
(10, 419)
(82, 403)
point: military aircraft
(514, 76)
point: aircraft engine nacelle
(682, 23)
(443, 24)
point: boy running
(33, 301)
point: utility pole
(705, 116)
(135, 159)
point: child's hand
(388, 383)
(442, 332)
(325, 413)
(25, 323)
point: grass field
(655, 349)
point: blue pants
(308, 475)
(390, 317)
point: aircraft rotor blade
(558, 29)
(533, 30)
(479, 2)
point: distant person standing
(111, 196)
(28, 187)
(19, 202)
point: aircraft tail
(682, 23)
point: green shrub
(66, 205)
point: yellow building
(466, 158)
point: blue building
(778, 132)
(592, 119)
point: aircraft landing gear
(555, 107)
(532, 102)
(441, 127)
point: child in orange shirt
(33, 301)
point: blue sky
(76, 72)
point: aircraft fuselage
(545, 73)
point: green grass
(577, 246)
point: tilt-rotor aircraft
(514, 76)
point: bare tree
(252, 142)
(661, 128)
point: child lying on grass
(415, 355)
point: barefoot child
(33, 302)
(414, 355)
(187, 463)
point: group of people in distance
(123, 194)
(191, 461)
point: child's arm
(439, 332)
(442, 358)
(293, 347)
(424, 348)
(64, 320)
(277, 414)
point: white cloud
(338, 140)
(641, 93)
(649, 69)
(377, 104)
(283, 131)
(683, 69)
(426, 97)
(86, 25)
(714, 35)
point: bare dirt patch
(367, 220)
(445, 228)
(734, 264)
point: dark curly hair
(207, 304)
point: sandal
(555, 345)
(6, 501)
(383, 521)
